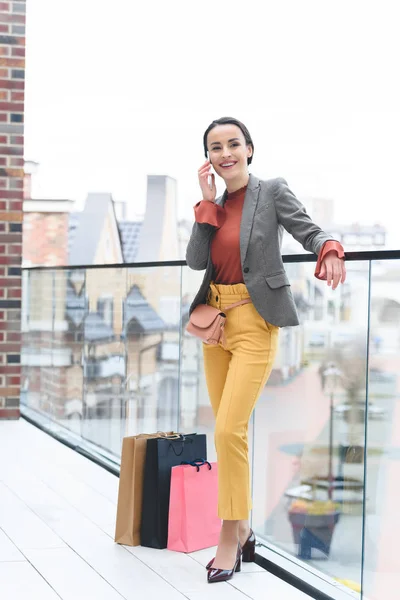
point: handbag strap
(246, 301)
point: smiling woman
(229, 151)
(237, 239)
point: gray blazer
(268, 207)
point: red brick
(14, 249)
(10, 348)
(12, 282)
(1, 336)
(10, 84)
(3, 326)
(14, 172)
(10, 238)
(17, 96)
(3, 205)
(3, 139)
(13, 336)
(17, 162)
(4, 50)
(12, 63)
(11, 216)
(15, 380)
(12, 106)
(9, 413)
(5, 95)
(17, 139)
(12, 18)
(10, 369)
(18, 52)
(4, 28)
(15, 205)
(12, 195)
(2, 249)
(3, 161)
(10, 260)
(7, 150)
(5, 6)
(1, 315)
(14, 293)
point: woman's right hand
(204, 173)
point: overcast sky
(118, 90)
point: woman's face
(228, 151)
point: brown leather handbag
(207, 323)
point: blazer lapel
(249, 207)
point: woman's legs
(244, 531)
(232, 532)
(235, 378)
(247, 374)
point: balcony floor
(57, 515)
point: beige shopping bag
(130, 491)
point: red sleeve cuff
(210, 213)
(327, 247)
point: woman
(237, 239)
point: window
(105, 308)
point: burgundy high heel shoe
(248, 550)
(216, 575)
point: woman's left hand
(334, 268)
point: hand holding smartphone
(207, 181)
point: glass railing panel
(152, 340)
(38, 319)
(103, 359)
(382, 523)
(131, 353)
(308, 466)
(66, 373)
(101, 350)
(195, 408)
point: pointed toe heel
(217, 575)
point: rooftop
(130, 231)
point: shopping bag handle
(172, 436)
(199, 462)
(184, 439)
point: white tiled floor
(57, 512)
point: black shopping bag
(163, 454)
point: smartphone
(211, 171)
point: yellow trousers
(236, 375)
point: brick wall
(12, 74)
(45, 238)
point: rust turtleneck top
(225, 245)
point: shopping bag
(193, 506)
(163, 454)
(130, 490)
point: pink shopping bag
(193, 520)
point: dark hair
(229, 121)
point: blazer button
(246, 270)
